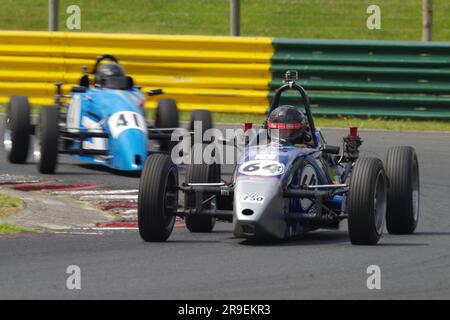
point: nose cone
(129, 150)
(258, 208)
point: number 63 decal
(265, 168)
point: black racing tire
(402, 169)
(201, 173)
(167, 116)
(48, 137)
(204, 116)
(158, 198)
(17, 129)
(366, 201)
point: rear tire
(167, 116)
(402, 169)
(158, 198)
(366, 201)
(16, 138)
(205, 117)
(201, 173)
(48, 135)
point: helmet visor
(282, 130)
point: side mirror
(331, 149)
(154, 92)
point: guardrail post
(427, 19)
(53, 15)
(235, 8)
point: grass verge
(8, 228)
(345, 122)
(322, 121)
(9, 205)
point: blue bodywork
(119, 113)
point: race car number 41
(121, 121)
(265, 168)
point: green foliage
(326, 19)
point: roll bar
(290, 84)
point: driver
(288, 124)
(108, 73)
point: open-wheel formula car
(103, 123)
(288, 186)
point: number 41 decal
(126, 120)
(122, 121)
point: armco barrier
(378, 78)
(234, 74)
(222, 74)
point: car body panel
(262, 174)
(118, 113)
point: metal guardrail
(368, 78)
(224, 74)
(237, 74)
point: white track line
(128, 216)
(95, 192)
(93, 233)
(114, 228)
(127, 212)
(19, 181)
(109, 197)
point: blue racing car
(292, 183)
(101, 122)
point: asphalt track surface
(322, 264)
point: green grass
(324, 122)
(8, 228)
(327, 19)
(9, 205)
(346, 122)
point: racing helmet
(108, 71)
(286, 123)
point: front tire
(48, 136)
(158, 198)
(366, 201)
(201, 173)
(402, 169)
(16, 138)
